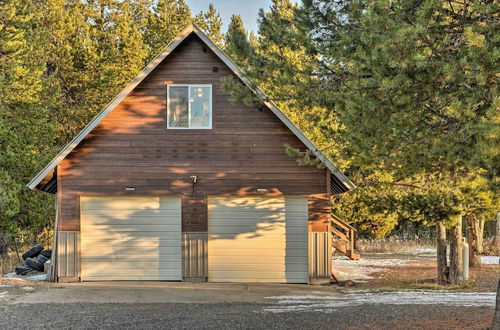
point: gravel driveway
(163, 305)
(238, 316)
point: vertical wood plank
(194, 256)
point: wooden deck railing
(347, 234)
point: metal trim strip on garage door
(131, 238)
(258, 239)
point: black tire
(42, 259)
(46, 253)
(34, 264)
(23, 270)
(33, 252)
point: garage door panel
(257, 268)
(133, 258)
(248, 276)
(124, 251)
(159, 221)
(130, 203)
(257, 253)
(131, 243)
(146, 228)
(131, 238)
(131, 211)
(244, 246)
(140, 265)
(235, 218)
(247, 203)
(116, 235)
(138, 274)
(249, 226)
(104, 219)
(232, 259)
(257, 239)
(249, 236)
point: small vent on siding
(215, 69)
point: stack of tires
(34, 260)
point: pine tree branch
(372, 182)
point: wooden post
(473, 233)
(456, 258)
(442, 264)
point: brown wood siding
(132, 147)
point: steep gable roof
(45, 180)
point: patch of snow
(490, 260)
(308, 303)
(362, 269)
(37, 278)
(10, 275)
(28, 289)
(4, 295)
(17, 278)
(424, 251)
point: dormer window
(189, 106)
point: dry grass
(394, 245)
(20, 243)
(404, 285)
(9, 262)
(490, 248)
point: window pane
(178, 107)
(200, 106)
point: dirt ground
(420, 273)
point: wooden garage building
(173, 182)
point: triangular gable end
(45, 180)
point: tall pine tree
(211, 22)
(167, 19)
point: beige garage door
(256, 239)
(131, 238)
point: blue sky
(248, 9)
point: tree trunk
(473, 238)
(495, 325)
(456, 253)
(497, 235)
(442, 264)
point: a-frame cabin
(173, 182)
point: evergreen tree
(211, 22)
(26, 130)
(167, 19)
(236, 43)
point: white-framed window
(189, 106)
